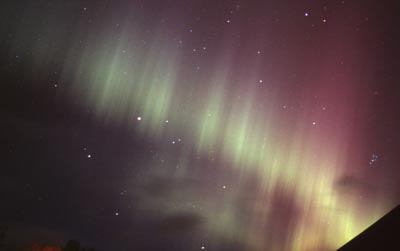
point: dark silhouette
(382, 235)
(2, 240)
(72, 245)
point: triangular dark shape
(382, 235)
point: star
(374, 158)
(203, 247)
(139, 118)
(89, 156)
(306, 14)
(116, 214)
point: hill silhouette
(382, 235)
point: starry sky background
(198, 125)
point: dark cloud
(349, 183)
(179, 224)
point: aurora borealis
(199, 125)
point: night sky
(198, 125)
